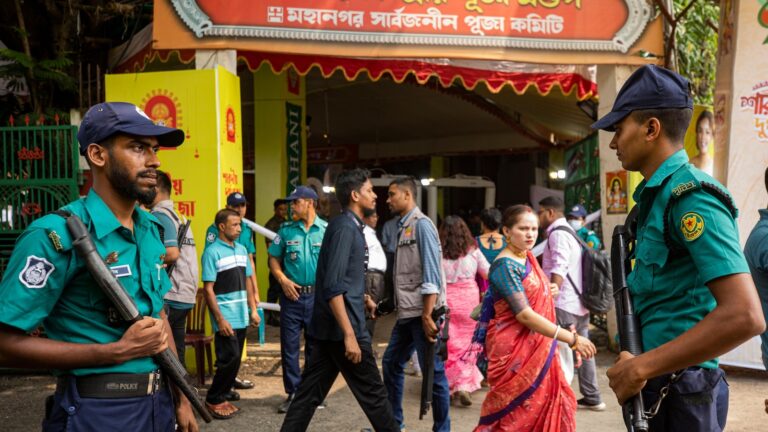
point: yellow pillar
(437, 169)
(279, 110)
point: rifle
(630, 338)
(180, 240)
(114, 291)
(429, 360)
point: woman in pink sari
(517, 331)
(462, 260)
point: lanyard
(361, 227)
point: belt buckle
(153, 384)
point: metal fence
(39, 174)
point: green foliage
(48, 72)
(696, 46)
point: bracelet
(557, 330)
(575, 339)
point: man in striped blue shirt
(226, 279)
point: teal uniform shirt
(589, 237)
(47, 283)
(668, 290)
(298, 249)
(245, 239)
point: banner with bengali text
(476, 28)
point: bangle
(575, 339)
(557, 330)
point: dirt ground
(23, 395)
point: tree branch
(664, 11)
(685, 10)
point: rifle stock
(630, 337)
(127, 309)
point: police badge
(35, 273)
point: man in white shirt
(561, 262)
(377, 263)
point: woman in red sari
(528, 391)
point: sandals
(222, 411)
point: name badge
(293, 243)
(121, 270)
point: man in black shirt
(341, 341)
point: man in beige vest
(419, 288)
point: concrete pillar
(276, 98)
(609, 81)
(209, 59)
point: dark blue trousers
(697, 402)
(70, 412)
(407, 335)
(295, 317)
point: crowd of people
(472, 310)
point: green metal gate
(39, 174)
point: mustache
(148, 173)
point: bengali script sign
(586, 25)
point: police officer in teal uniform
(293, 261)
(690, 284)
(576, 217)
(106, 376)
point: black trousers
(229, 351)
(177, 318)
(363, 379)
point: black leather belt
(307, 289)
(113, 386)
(377, 271)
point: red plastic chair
(198, 339)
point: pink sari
(462, 296)
(528, 389)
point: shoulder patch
(692, 226)
(683, 188)
(35, 274)
(211, 237)
(276, 240)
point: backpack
(596, 283)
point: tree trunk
(30, 74)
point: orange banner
(611, 26)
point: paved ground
(23, 396)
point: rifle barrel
(630, 337)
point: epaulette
(690, 183)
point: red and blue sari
(528, 391)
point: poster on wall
(700, 139)
(616, 190)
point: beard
(128, 187)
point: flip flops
(222, 411)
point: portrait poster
(700, 139)
(616, 191)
